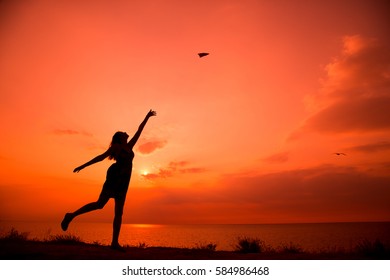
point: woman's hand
(77, 169)
(151, 113)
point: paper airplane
(202, 54)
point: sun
(144, 172)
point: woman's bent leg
(99, 204)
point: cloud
(83, 138)
(371, 148)
(277, 158)
(320, 194)
(360, 114)
(150, 146)
(174, 168)
(70, 132)
(355, 96)
(323, 191)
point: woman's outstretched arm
(134, 140)
(94, 160)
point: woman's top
(125, 160)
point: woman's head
(118, 138)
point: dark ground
(43, 250)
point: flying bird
(340, 154)
(202, 54)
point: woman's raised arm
(136, 136)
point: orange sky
(244, 135)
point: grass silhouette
(14, 243)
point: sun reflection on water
(143, 225)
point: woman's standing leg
(119, 205)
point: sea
(308, 236)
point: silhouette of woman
(117, 179)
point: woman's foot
(117, 247)
(65, 222)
